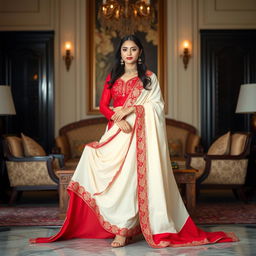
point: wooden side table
(187, 177)
(65, 176)
(184, 176)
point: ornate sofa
(182, 138)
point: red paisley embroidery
(135, 93)
(142, 179)
(122, 88)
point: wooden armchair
(29, 172)
(226, 170)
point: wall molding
(228, 14)
(27, 15)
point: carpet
(206, 213)
(30, 216)
(225, 213)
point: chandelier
(126, 17)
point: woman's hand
(117, 108)
(124, 126)
(121, 113)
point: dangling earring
(139, 61)
(122, 62)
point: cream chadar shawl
(128, 183)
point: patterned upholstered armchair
(28, 166)
(225, 163)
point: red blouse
(119, 93)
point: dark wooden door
(27, 66)
(228, 59)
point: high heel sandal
(117, 243)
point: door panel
(28, 69)
(227, 61)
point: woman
(124, 184)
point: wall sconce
(68, 57)
(185, 55)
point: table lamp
(247, 102)
(6, 108)
(6, 104)
(6, 101)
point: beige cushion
(237, 143)
(221, 146)
(15, 146)
(31, 147)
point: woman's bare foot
(119, 241)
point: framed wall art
(102, 46)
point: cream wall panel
(235, 5)
(57, 70)
(26, 14)
(67, 83)
(183, 84)
(71, 86)
(227, 14)
(15, 6)
(195, 62)
(172, 59)
(81, 74)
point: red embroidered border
(142, 184)
(142, 179)
(91, 202)
(135, 93)
(143, 191)
(121, 87)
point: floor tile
(15, 242)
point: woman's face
(130, 52)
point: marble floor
(15, 242)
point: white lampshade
(6, 101)
(247, 99)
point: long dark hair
(118, 69)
